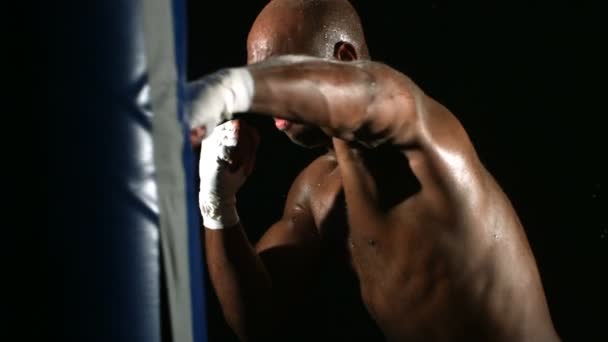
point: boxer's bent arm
(239, 279)
(256, 287)
(362, 101)
(291, 252)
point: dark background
(527, 81)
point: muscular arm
(240, 280)
(257, 286)
(365, 102)
(361, 101)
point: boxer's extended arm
(362, 101)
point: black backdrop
(526, 81)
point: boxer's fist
(227, 158)
(197, 135)
(214, 98)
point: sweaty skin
(401, 200)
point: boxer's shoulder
(318, 171)
(307, 182)
(322, 166)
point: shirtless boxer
(401, 198)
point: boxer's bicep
(290, 249)
(294, 228)
(291, 252)
(297, 225)
(380, 105)
(362, 101)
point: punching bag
(125, 255)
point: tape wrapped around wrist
(218, 215)
(216, 97)
(241, 84)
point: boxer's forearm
(241, 283)
(363, 101)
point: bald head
(321, 28)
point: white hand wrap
(216, 97)
(218, 185)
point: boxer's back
(437, 248)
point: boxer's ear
(344, 51)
